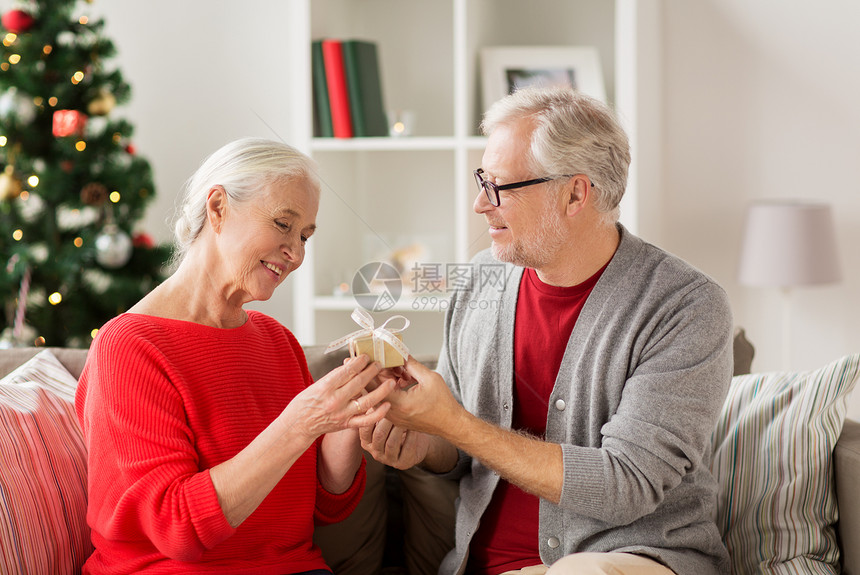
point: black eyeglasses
(492, 190)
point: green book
(322, 111)
(364, 85)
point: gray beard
(539, 250)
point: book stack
(347, 89)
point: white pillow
(773, 449)
(43, 473)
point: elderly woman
(210, 447)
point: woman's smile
(276, 270)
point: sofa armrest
(846, 462)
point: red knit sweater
(161, 402)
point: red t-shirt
(507, 538)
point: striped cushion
(43, 476)
(773, 450)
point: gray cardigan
(642, 380)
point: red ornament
(69, 123)
(17, 21)
(130, 149)
(143, 240)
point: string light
(94, 333)
(33, 181)
(9, 39)
(25, 195)
(55, 298)
(76, 77)
(17, 235)
(39, 341)
(47, 49)
(80, 145)
(38, 101)
(115, 197)
(83, 20)
(78, 242)
(14, 58)
(4, 66)
(52, 101)
(2, 141)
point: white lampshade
(789, 243)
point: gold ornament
(102, 104)
(10, 185)
(94, 194)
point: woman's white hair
(243, 168)
(574, 134)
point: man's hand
(411, 436)
(426, 406)
(393, 445)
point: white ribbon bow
(381, 335)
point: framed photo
(505, 69)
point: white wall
(202, 73)
(762, 100)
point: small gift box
(389, 356)
(383, 344)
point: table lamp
(787, 244)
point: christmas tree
(71, 186)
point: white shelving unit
(384, 194)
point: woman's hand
(334, 403)
(340, 400)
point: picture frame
(505, 68)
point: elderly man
(575, 398)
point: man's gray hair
(574, 134)
(243, 168)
